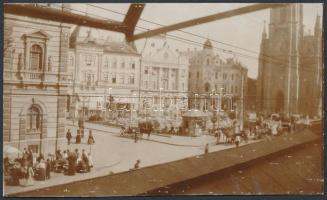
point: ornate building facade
(99, 69)
(35, 82)
(163, 78)
(290, 65)
(209, 75)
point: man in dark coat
(78, 137)
(68, 136)
(47, 169)
(72, 158)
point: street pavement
(113, 154)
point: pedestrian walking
(68, 136)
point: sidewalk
(60, 178)
(112, 153)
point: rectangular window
(113, 79)
(146, 71)
(236, 89)
(198, 74)
(106, 77)
(131, 79)
(88, 59)
(232, 77)
(216, 75)
(133, 65)
(183, 73)
(189, 75)
(121, 79)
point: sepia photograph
(162, 99)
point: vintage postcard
(128, 99)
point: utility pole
(242, 99)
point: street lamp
(221, 98)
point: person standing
(90, 160)
(68, 136)
(47, 169)
(85, 160)
(135, 135)
(137, 164)
(90, 139)
(30, 156)
(206, 149)
(218, 135)
(30, 176)
(78, 137)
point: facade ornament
(49, 63)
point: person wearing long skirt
(30, 176)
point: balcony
(34, 77)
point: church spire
(264, 32)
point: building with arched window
(164, 76)
(100, 68)
(33, 96)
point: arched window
(36, 57)
(208, 61)
(34, 119)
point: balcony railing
(34, 76)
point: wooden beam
(206, 19)
(132, 17)
(64, 16)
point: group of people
(73, 161)
(23, 171)
(79, 136)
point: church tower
(279, 60)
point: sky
(242, 31)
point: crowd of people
(30, 166)
(23, 170)
(71, 162)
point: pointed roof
(38, 34)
